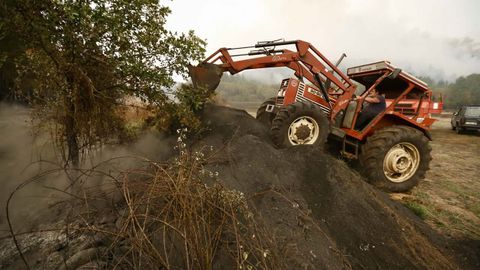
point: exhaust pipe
(205, 75)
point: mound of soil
(317, 206)
(321, 213)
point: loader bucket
(206, 75)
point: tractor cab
(406, 96)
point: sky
(435, 38)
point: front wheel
(299, 123)
(396, 158)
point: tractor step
(350, 148)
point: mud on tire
(265, 117)
(299, 123)
(395, 158)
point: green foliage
(465, 91)
(417, 209)
(85, 56)
(10, 47)
(183, 112)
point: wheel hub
(303, 130)
(401, 162)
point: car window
(472, 112)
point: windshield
(472, 112)
(360, 88)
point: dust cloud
(18, 152)
(28, 157)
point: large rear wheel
(299, 123)
(396, 158)
(267, 111)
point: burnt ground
(322, 214)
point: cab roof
(359, 71)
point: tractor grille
(300, 97)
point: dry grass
(173, 219)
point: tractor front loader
(322, 103)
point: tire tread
(377, 145)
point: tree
(86, 55)
(465, 91)
(10, 48)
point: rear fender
(393, 119)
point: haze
(440, 39)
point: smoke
(25, 156)
(428, 38)
(466, 48)
(17, 151)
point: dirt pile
(316, 205)
(318, 212)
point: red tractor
(324, 103)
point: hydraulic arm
(305, 60)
